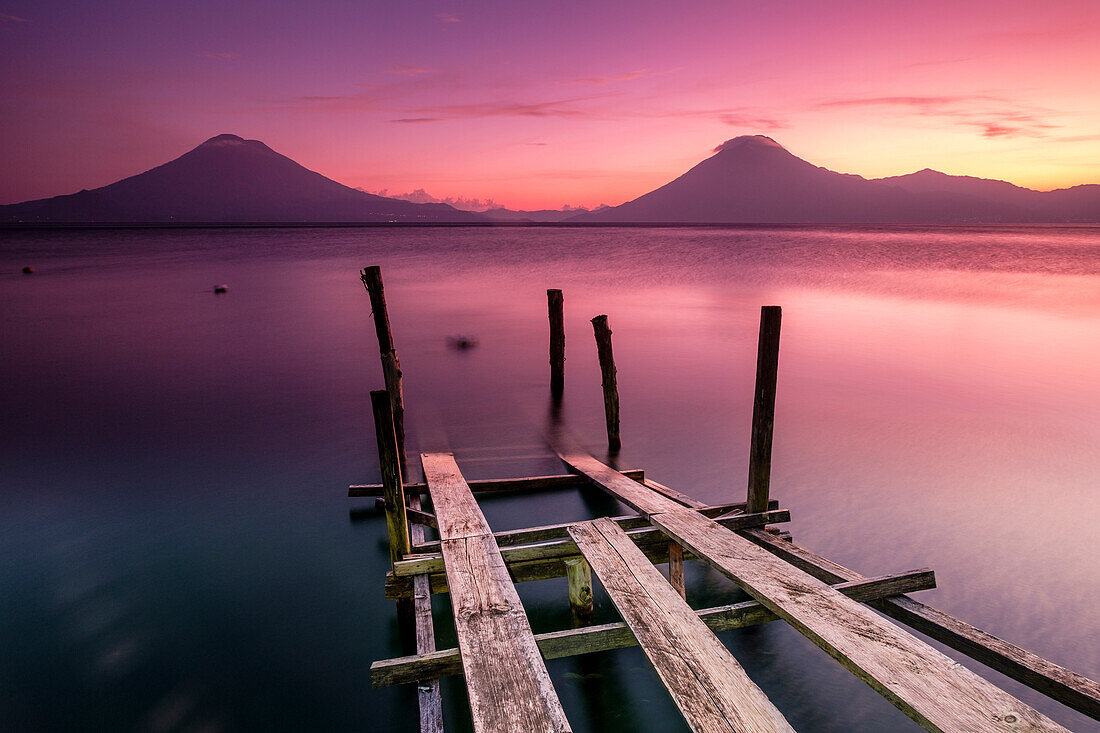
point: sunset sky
(540, 105)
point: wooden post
(763, 409)
(610, 382)
(391, 367)
(579, 574)
(392, 488)
(556, 309)
(676, 567)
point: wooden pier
(502, 660)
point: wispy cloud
(416, 120)
(569, 107)
(220, 55)
(447, 18)
(992, 116)
(410, 70)
(740, 119)
(8, 18)
(599, 81)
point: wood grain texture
(506, 679)
(507, 683)
(931, 688)
(644, 500)
(1066, 686)
(429, 700)
(707, 684)
(609, 379)
(557, 644)
(456, 511)
(763, 407)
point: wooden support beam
(532, 535)
(676, 568)
(391, 367)
(710, 688)
(605, 637)
(390, 465)
(578, 573)
(655, 547)
(763, 407)
(555, 306)
(419, 517)
(423, 563)
(427, 693)
(1054, 681)
(529, 483)
(610, 381)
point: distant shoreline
(25, 226)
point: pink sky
(538, 106)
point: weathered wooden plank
(1066, 686)
(644, 500)
(432, 562)
(675, 495)
(528, 483)
(506, 679)
(710, 688)
(456, 511)
(931, 688)
(557, 644)
(429, 700)
(508, 686)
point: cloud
(416, 120)
(994, 117)
(738, 119)
(410, 70)
(599, 81)
(447, 18)
(220, 56)
(8, 18)
(565, 108)
(420, 196)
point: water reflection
(177, 543)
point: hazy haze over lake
(177, 544)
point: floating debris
(219, 289)
(28, 270)
(462, 343)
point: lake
(179, 553)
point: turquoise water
(180, 555)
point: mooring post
(676, 567)
(579, 574)
(610, 381)
(555, 306)
(393, 491)
(391, 367)
(763, 409)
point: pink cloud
(8, 18)
(447, 18)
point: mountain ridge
(228, 179)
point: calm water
(179, 553)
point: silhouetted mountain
(753, 179)
(228, 179)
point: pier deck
(502, 660)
